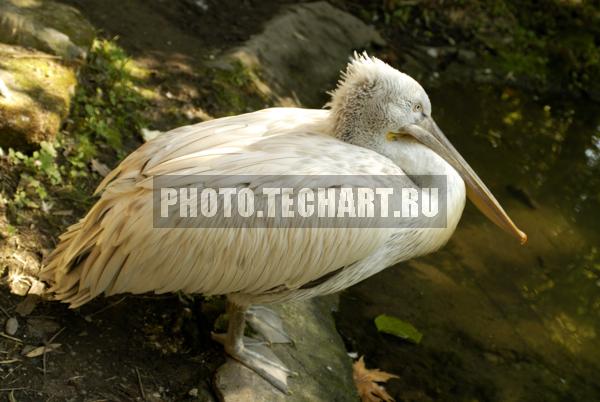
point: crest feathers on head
(360, 68)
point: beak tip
(522, 237)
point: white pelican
(379, 122)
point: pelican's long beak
(429, 134)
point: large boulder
(41, 45)
(301, 51)
(35, 91)
(51, 27)
(318, 356)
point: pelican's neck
(347, 122)
(418, 161)
(415, 159)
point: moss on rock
(40, 90)
(47, 26)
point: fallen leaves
(100, 168)
(394, 326)
(367, 380)
(32, 351)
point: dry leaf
(100, 168)
(366, 382)
(40, 350)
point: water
(501, 322)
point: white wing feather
(116, 249)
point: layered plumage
(116, 249)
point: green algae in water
(395, 326)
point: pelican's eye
(417, 108)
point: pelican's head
(374, 105)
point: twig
(13, 389)
(56, 335)
(4, 311)
(139, 378)
(44, 362)
(46, 348)
(12, 338)
(11, 372)
(89, 316)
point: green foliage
(41, 164)
(236, 90)
(106, 114)
(42, 161)
(108, 105)
(541, 44)
(394, 326)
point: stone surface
(51, 27)
(317, 355)
(40, 90)
(11, 326)
(36, 85)
(41, 329)
(301, 51)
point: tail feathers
(63, 268)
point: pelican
(378, 123)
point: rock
(301, 51)
(41, 328)
(36, 86)
(51, 27)
(11, 326)
(318, 356)
(27, 305)
(40, 91)
(4, 91)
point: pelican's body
(124, 253)
(116, 249)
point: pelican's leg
(267, 323)
(256, 357)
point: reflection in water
(507, 322)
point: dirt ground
(146, 347)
